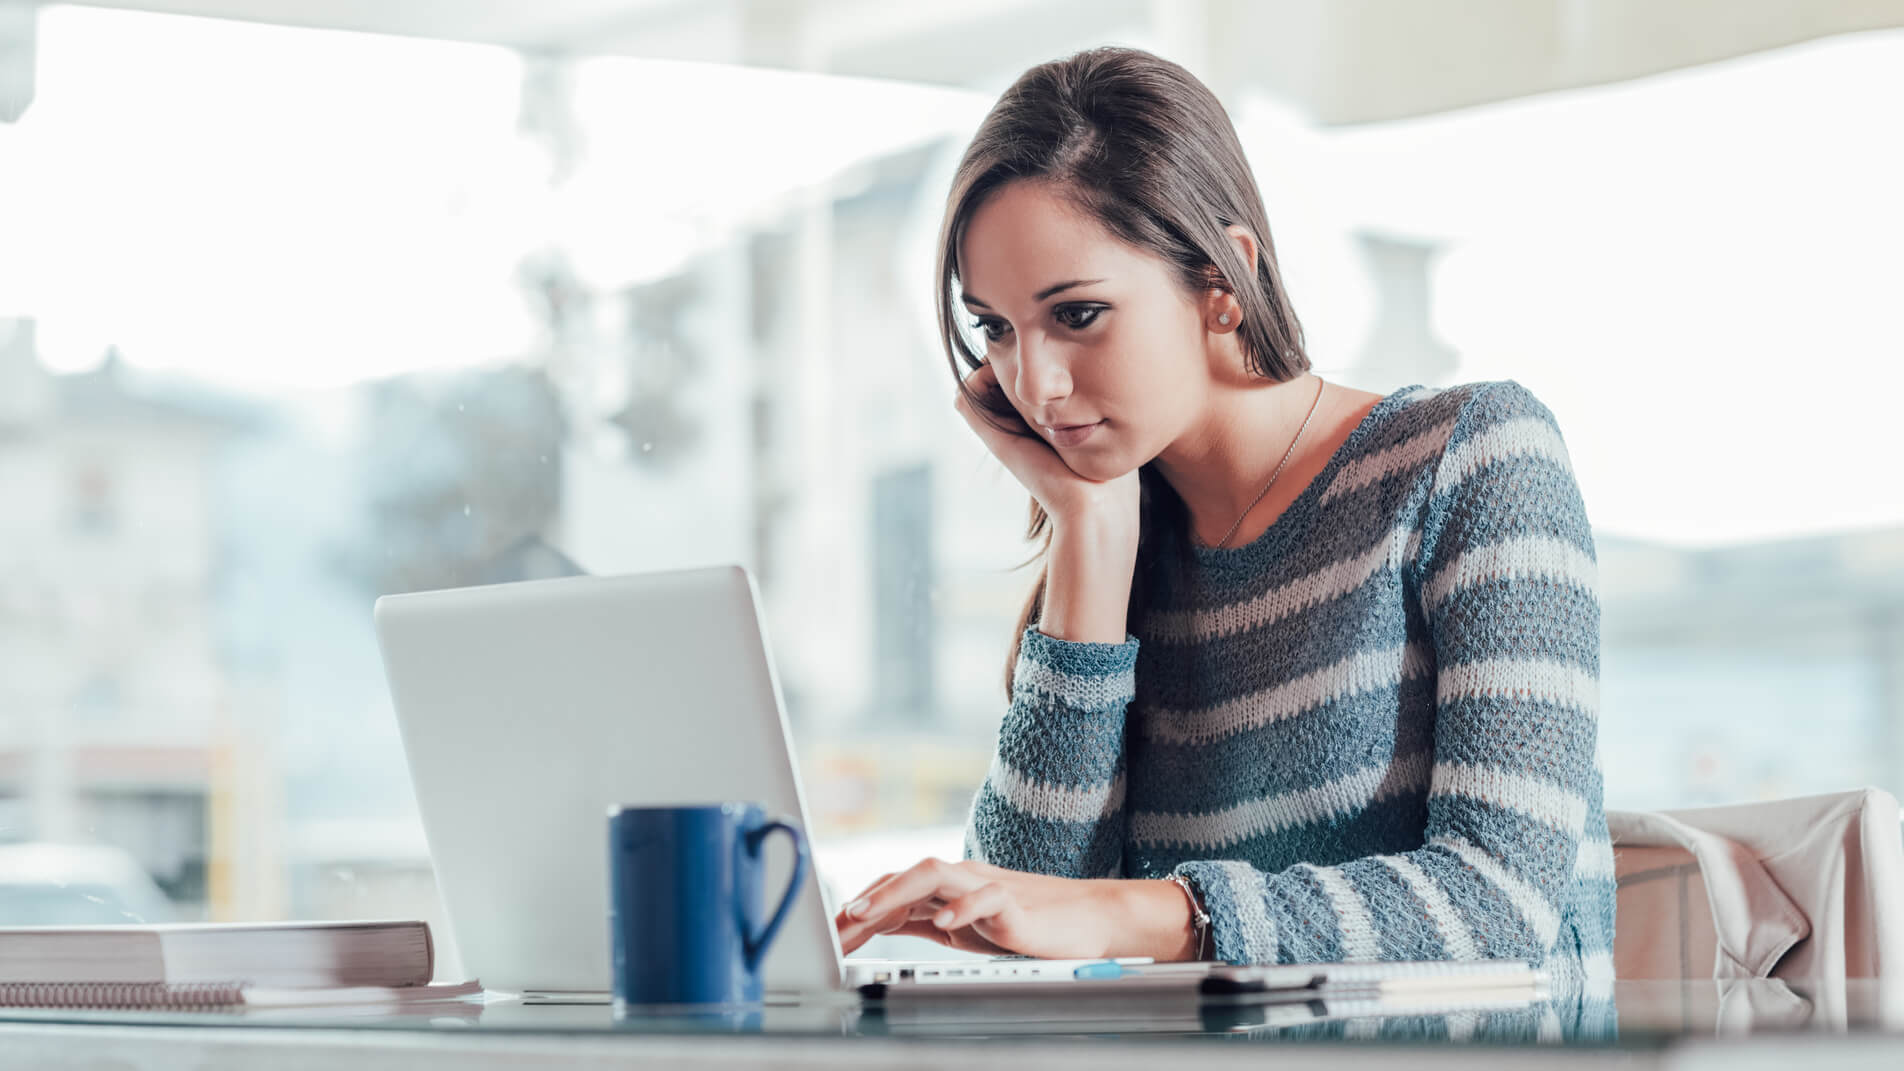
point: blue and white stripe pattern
(1370, 733)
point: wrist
(1100, 519)
(1088, 576)
(1152, 917)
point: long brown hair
(1144, 147)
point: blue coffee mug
(684, 902)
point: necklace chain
(1321, 385)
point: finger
(867, 927)
(857, 906)
(855, 932)
(965, 940)
(985, 406)
(850, 942)
(925, 879)
(977, 384)
(987, 901)
(921, 911)
(925, 909)
(890, 922)
(980, 380)
(917, 912)
(930, 932)
(932, 877)
(846, 924)
(867, 891)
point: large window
(291, 318)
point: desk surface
(1645, 1023)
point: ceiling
(1338, 61)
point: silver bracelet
(1199, 918)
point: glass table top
(1637, 1014)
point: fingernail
(943, 918)
(858, 907)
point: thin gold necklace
(1322, 385)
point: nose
(1042, 376)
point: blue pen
(1110, 968)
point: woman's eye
(1085, 313)
(1075, 317)
(986, 326)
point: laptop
(527, 709)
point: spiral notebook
(225, 996)
(230, 965)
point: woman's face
(1109, 370)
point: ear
(1218, 305)
(1245, 243)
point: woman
(1310, 673)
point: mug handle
(756, 947)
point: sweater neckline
(1296, 517)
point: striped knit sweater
(1369, 734)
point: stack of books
(223, 966)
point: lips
(1071, 434)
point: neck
(1223, 463)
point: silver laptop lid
(527, 709)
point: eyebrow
(1040, 295)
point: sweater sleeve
(1507, 581)
(1053, 801)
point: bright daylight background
(292, 317)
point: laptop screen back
(528, 709)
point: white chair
(1808, 889)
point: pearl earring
(1224, 319)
